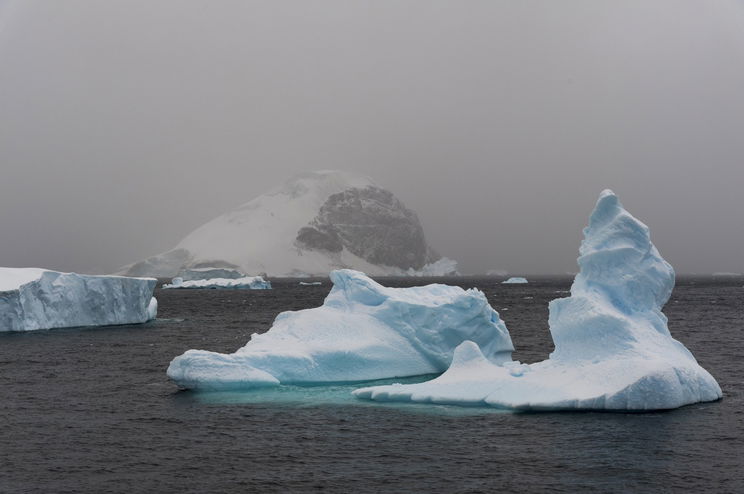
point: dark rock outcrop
(370, 223)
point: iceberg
(310, 283)
(443, 267)
(514, 280)
(613, 350)
(363, 331)
(35, 298)
(244, 283)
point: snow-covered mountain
(310, 225)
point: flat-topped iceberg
(245, 283)
(363, 331)
(514, 280)
(613, 350)
(34, 298)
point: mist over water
(125, 125)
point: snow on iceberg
(245, 283)
(514, 280)
(35, 298)
(363, 331)
(613, 350)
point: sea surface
(91, 410)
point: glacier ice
(35, 298)
(363, 331)
(514, 280)
(613, 350)
(209, 274)
(245, 283)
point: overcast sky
(126, 124)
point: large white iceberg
(363, 331)
(34, 298)
(245, 283)
(613, 350)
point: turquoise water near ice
(330, 395)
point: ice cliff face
(311, 225)
(362, 331)
(613, 350)
(32, 298)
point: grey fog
(124, 125)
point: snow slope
(363, 331)
(312, 224)
(34, 298)
(613, 350)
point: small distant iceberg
(443, 267)
(244, 283)
(514, 280)
(35, 298)
(727, 275)
(310, 283)
(363, 331)
(613, 350)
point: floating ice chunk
(245, 283)
(363, 331)
(152, 309)
(310, 283)
(443, 267)
(514, 279)
(34, 298)
(613, 350)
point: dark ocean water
(91, 410)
